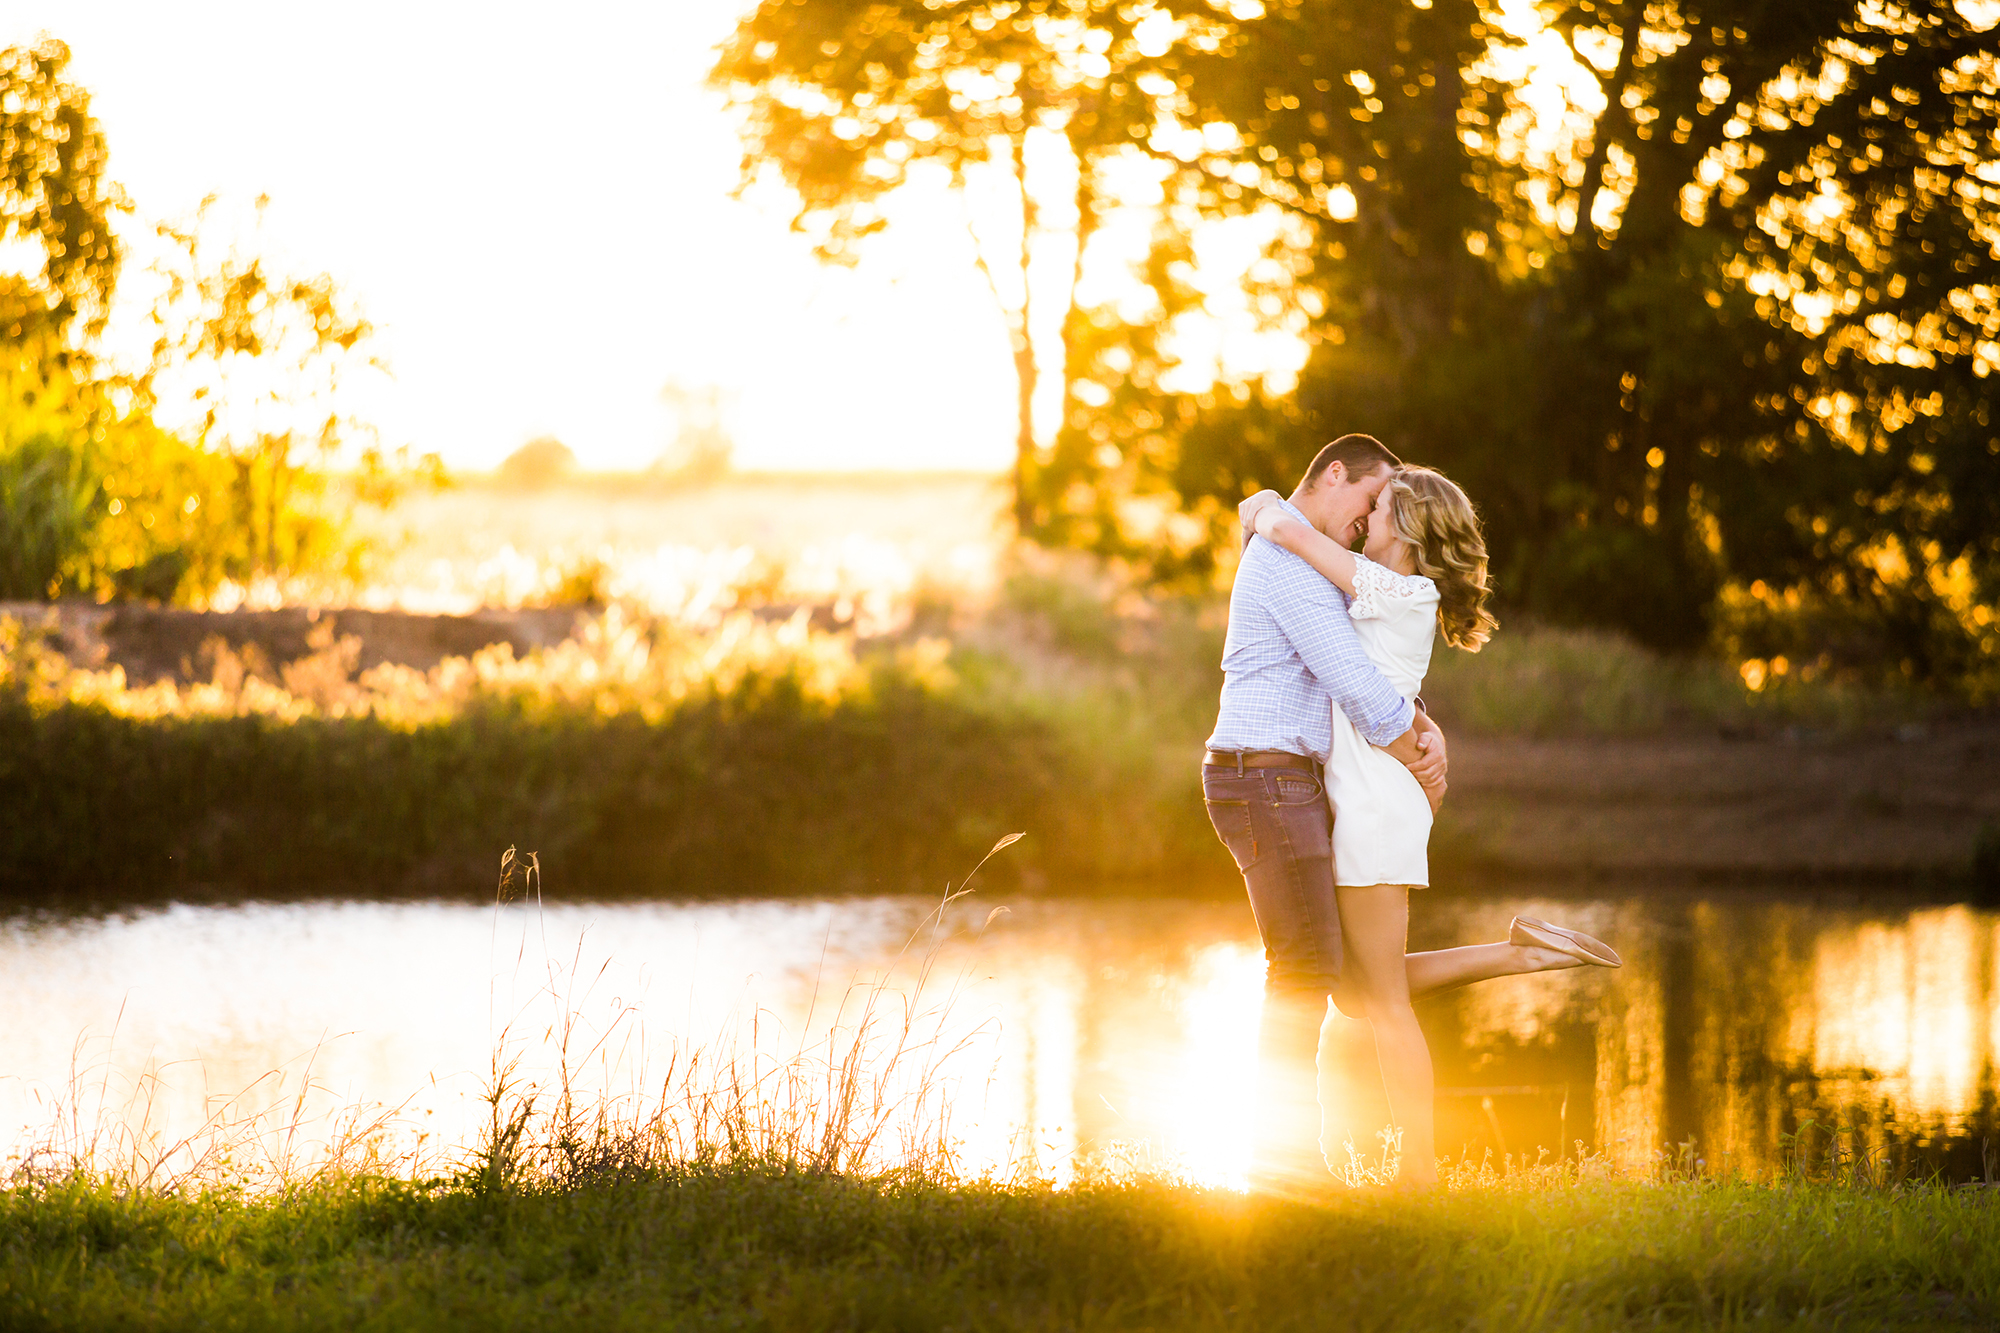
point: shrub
(757, 757)
(98, 501)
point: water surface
(1075, 1029)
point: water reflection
(1080, 1030)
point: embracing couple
(1323, 775)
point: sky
(533, 206)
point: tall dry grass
(868, 1090)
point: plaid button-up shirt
(1291, 656)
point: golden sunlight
(581, 246)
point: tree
(94, 499)
(53, 196)
(1863, 181)
(1699, 304)
(261, 358)
(537, 465)
(847, 99)
(1708, 343)
(97, 499)
(702, 450)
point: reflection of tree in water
(1731, 1026)
(1514, 1057)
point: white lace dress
(1381, 820)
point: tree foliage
(262, 357)
(98, 501)
(1706, 325)
(848, 99)
(97, 497)
(55, 198)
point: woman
(1421, 572)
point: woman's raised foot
(1573, 946)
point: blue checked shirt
(1291, 653)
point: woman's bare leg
(1442, 969)
(1375, 924)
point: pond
(1058, 1033)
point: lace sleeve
(1380, 592)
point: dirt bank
(166, 643)
(1705, 807)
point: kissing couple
(1324, 773)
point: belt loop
(1239, 763)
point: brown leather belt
(1241, 759)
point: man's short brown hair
(1359, 455)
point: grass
(1547, 681)
(871, 539)
(760, 1246)
(739, 751)
(751, 757)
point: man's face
(1344, 501)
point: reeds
(868, 1093)
(282, 1133)
(760, 756)
(871, 1095)
(615, 665)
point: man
(1290, 657)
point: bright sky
(532, 204)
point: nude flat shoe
(1530, 933)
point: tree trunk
(1024, 439)
(1074, 324)
(1585, 230)
(1025, 375)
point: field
(875, 539)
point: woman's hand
(1246, 513)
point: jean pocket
(1232, 824)
(1299, 789)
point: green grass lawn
(744, 1248)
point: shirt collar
(1299, 514)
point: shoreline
(1901, 809)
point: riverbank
(1884, 806)
(776, 749)
(783, 1250)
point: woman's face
(1381, 535)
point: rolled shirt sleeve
(1311, 614)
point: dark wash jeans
(1278, 825)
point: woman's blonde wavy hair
(1437, 521)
